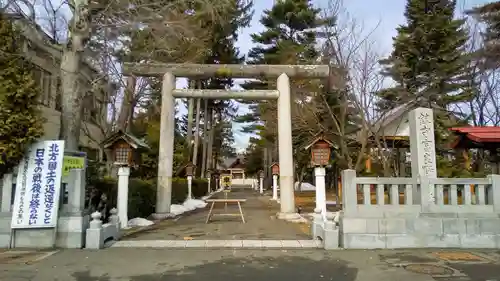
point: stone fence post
(94, 236)
(326, 230)
(114, 219)
(350, 193)
(494, 194)
(331, 240)
(318, 224)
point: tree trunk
(210, 144)
(190, 127)
(71, 111)
(196, 134)
(264, 162)
(205, 139)
(71, 115)
(126, 109)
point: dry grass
(306, 200)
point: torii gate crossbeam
(282, 94)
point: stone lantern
(126, 152)
(125, 149)
(275, 169)
(320, 153)
(320, 157)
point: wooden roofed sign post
(320, 157)
(282, 73)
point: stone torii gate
(282, 73)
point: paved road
(251, 265)
(260, 215)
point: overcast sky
(388, 14)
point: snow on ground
(175, 209)
(305, 186)
(335, 216)
(211, 194)
(139, 222)
(188, 205)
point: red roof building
(477, 137)
(487, 138)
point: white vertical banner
(38, 186)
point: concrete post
(6, 193)
(76, 191)
(190, 182)
(287, 195)
(494, 194)
(275, 187)
(123, 175)
(115, 220)
(422, 147)
(349, 193)
(331, 240)
(94, 233)
(209, 179)
(317, 228)
(261, 185)
(166, 149)
(319, 173)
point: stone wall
(401, 212)
(70, 233)
(71, 225)
(423, 231)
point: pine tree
(20, 121)
(222, 50)
(428, 62)
(490, 15)
(430, 66)
(289, 38)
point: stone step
(263, 244)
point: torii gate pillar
(287, 196)
(282, 94)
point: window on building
(43, 79)
(58, 105)
(89, 108)
(92, 153)
(237, 175)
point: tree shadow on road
(248, 269)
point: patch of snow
(212, 194)
(305, 186)
(336, 219)
(335, 216)
(188, 205)
(139, 222)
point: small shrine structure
(486, 138)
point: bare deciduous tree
(349, 120)
(171, 30)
